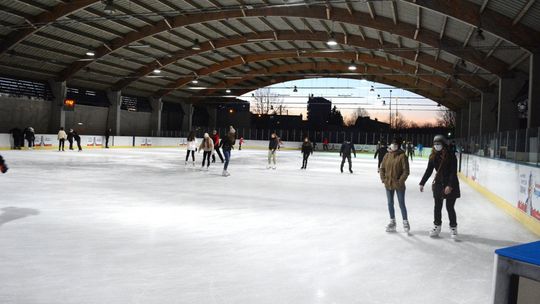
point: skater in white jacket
(191, 147)
(61, 139)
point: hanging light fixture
(195, 81)
(228, 91)
(438, 105)
(156, 71)
(90, 54)
(332, 40)
(109, 7)
(372, 89)
(463, 63)
(196, 46)
(352, 66)
(295, 89)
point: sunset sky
(348, 94)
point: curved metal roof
(450, 50)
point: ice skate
(453, 233)
(193, 163)
(350, 170)
(185, 163)
(391, 227)
(226, 173)
(435, 231)
(274, 168)
(268, 167)
(406, 226)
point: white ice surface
(136, 226)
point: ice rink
(137, 226)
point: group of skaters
(69, 136)
(393, 168)
(20, 136)
(211, 146)
(394, 171)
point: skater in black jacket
(77, 138)
(307, 150)
(345, 152)
(70, 138)
(381, 152)
(445, 184)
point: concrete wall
(22, 112)
(135, 123)
(93, 119)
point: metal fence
(357, 137)
(519, 145)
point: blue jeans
(227, 155)
(401, 200)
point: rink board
(513, 187)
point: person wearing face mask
(307, 150)
(394, 171)
(445, 184)
(273, 145)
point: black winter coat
(70, 136)
(307, 148)
(381, 152)
(446, 175)
(346, 149)
(273, 144)
(227, 142)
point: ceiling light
(372, 89)
(352, 66)
(228, 91)
(332, 40)
(196, 46)
(156, 71)
(295, 89)
(195, 81)
(109, 7)
(90, 53)
(246, 68)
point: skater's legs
(402, 206)
(343, 162)
(187, 155)
(437, 212)
(193, 156)
(450, 203)
(390, 199)
(219, 154)
(350, 162)
(269, 157)
(206, 157)
(227, 155)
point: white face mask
(394, 147)
(437, 147)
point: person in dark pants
(227, 144)
(307, 150)
(30, 136)
(77, 138)
(345, 152)
(207, 146)
(381, 152)
(61, 139)
(108, 133)
(445, 184)
(410, 150)
(215, 138)
(3, 166)
(18, 138)
(70, 138)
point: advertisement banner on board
(529, 192)
(98, 141)
(38, 141)
(90, 141)
(47, 140)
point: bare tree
(446, 118)
(399, 122)
(350, 120)
(267, 102)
